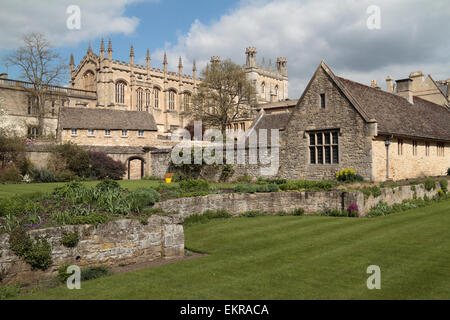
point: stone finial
(263, 62)
(194, 66)
(89, 50)
(71, 64)
(131, 51)
(165, 62)
(147, 59)
(110, 50)
(102, 49)
(180, 66)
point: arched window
(276, 90)
(89, 81)
(263, 89)
(156, 96)
(187, 101)
(147, 99)
(140, 99)
(120, 92)
(171, 100)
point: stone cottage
(338, 123)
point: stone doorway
(135, 168)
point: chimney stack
(389, 84)
(404, 89)
(375, 85)
(417, 79)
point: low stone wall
(396, 195)
(311, 202)
(237, 203)
(119, 242)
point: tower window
(156, 96)
(171, 100)
(140, 99)
(120, 92)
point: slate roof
(89, 118)
(268, 121)
(395, 115)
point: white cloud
(98, 18)
(413, 36)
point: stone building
(338, 124)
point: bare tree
(41, 65)
(224, 95)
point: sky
(412, 34)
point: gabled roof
(393, 114)
(268, 121)
(89, 118)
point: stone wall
(120, 242)
(405, 165)
(396, 195)
(237, 203)
(355, 136)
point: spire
(194, 72)
(109, 50)
(102, 49)
(165, 62)
(89, 50)
(131, 55)
(180, 66)
(71, 64)
(194, 67)
(263, 63)
(147, 59)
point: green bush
(298, 212)
(62, 273)
(179, 176)
(66, 176)
(70, 239)
(430, 184)
(94, 273)
(194, 185)
(10, 175)
(253, 214)
(9, 291)
(107, 185)
(151, 178)
(244, 179)
(206, 216)
(36, 253)
(42, 175)
(444, 185)
(141, 198)
(348, 175)
(307, 185)
(227, 172)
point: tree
(224, 95)
(40, 65)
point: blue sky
(412, 34)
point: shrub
(36, 253)
(444, 185)
(246, 188)
(66, 176)
(348, 175)
(62, 273)
(194, 185)
(151, 178)
(142, 198)
(70, 239)
(227, 172)
(102, 166)
(273, 187)
(430, 184)
(94, 273)
(448, 171)
(71, 157)
(9, 291)
(441, 193)
(298, 212)
(107, 185)
(253, 214)
(353, 210)
(42, 175)
(244, 179)
(218, 214)
(178, 176)
(10, 175)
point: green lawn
(296, 258)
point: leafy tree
(40, 65)
(224, 95)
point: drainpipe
(387, 143)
